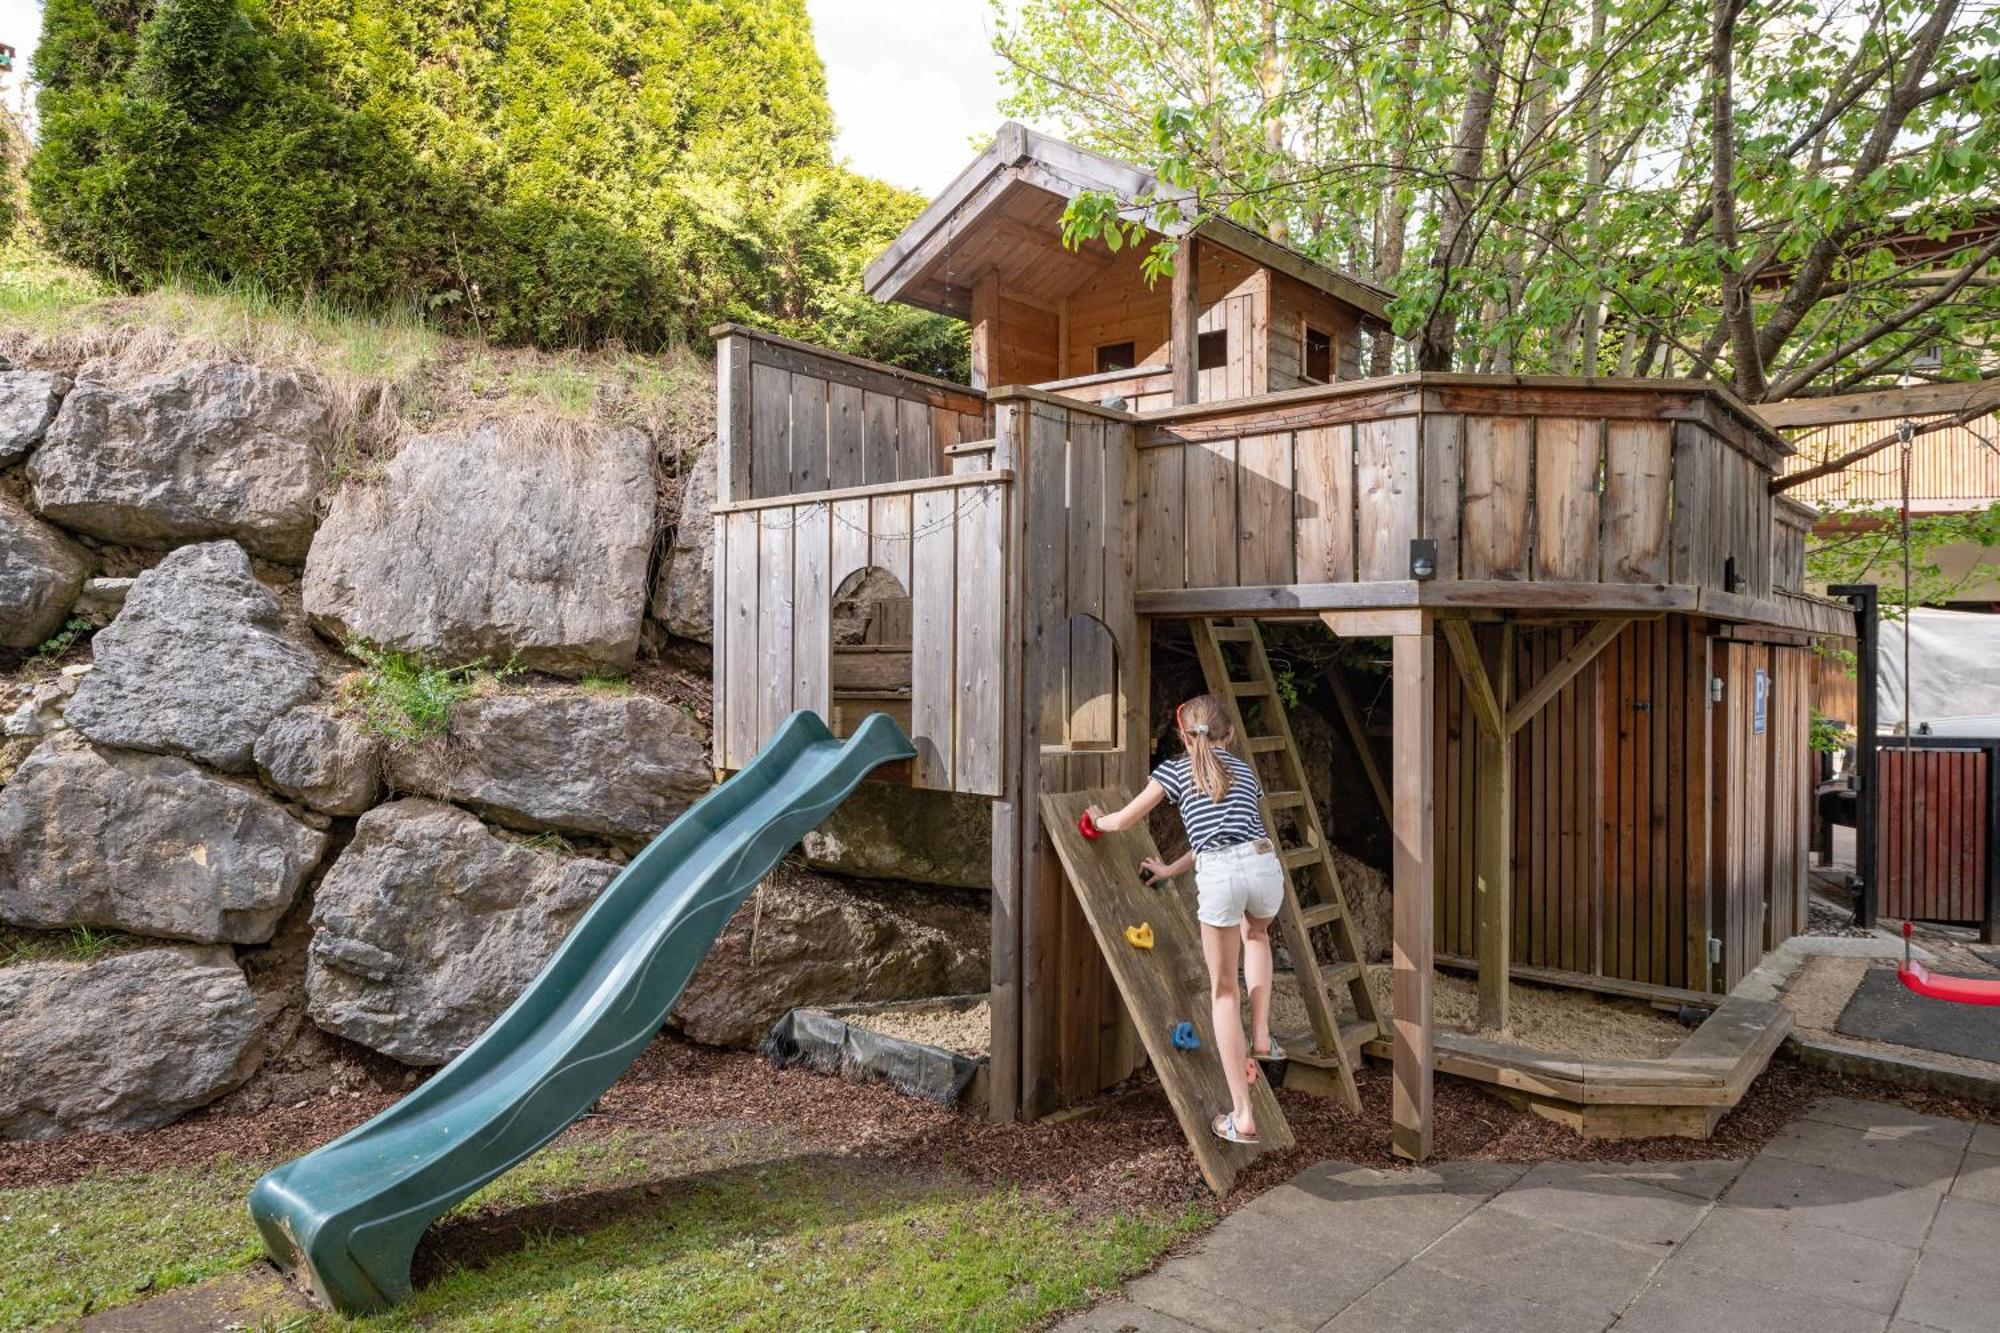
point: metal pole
(1864, 597)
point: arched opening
(869, 671)
(1090, 685)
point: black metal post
(1865, 598)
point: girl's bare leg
(1218, 947)
(1257, 969)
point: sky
(913, 82)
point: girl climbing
(1239, 887)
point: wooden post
(1183, 347)
(1410, 1100)
(732, 418)
(986, 330)
(1493, 851)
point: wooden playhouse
(1600, 639)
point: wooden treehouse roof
(1004, 213)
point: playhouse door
(1742, 749)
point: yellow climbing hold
(1140, 936)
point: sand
(967, 1031)
(1547, 1018)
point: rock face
(197, 663)
(146, 843)
(612, 766)
(809, 940)
(321, 759)
(428, 926)
(126, 1042)
(213, 449)
(891, 832)
(684, 596)
(485, 544)
(28, 403)
(41, 573)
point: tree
(1795, 197)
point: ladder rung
(1340, 974)
(1252, 687)
(1301, 1047)
(1264, 744)
(1230, 633)
(1320, 913)
(1284, 800)
(1295, 857)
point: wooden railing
(795, 419)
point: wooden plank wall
(1792, 524)
(1933, 819)
(1333, 491)
(944, 540)
(1612, 809)
(1120, 305)
(795, 419)
(1293, 306)
(1083, 658)
(1763, 791)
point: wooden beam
(1919, 400)
(1486, 704)
(1374, 624)
(1586, 651)
(1412, 1057)
(1184, 314)
(1357, 733)
(1492, 854)
(985, 329)
(732, 416)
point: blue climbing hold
(1184, 1038)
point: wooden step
(1264, 744)
(1295, 857)
(1339, 974)
(1230, 633)
(1284, 800)
(1354, 1034)
(1250, 688)
(1319, 914)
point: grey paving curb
(1839, 1057)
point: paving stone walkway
(1859, 1216)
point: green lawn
(695, 1231)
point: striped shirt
(1214, 824)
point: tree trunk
(1437, 343)
(1739, 315)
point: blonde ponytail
(1204, 726)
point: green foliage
(57, 646)
(1868, 548)
(1827, 736)
(79, 944)
(556, 172)
(403, 697)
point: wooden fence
(1937, 822)
(797, 419)
(778, 566)
(1613, 485)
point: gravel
(967, 1031)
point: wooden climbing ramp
(1161, 986)
(1320, 938)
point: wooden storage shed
(1594, 603)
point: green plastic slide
(351, 1212)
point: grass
(604, 682)
(79, 944)
(685, 1231)
(405, 697)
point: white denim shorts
(1234, 880)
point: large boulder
(805, 940)
(28, 403)
(684, 594)
(148, 844)
(213, 449)
(885, 831)
(131, 1041)
(610, 766)
(428, 926)
(41, 573)
(321, 758)
(494, 544)
(197, 663)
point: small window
(1211, 351)
(1319, 356)
(1116, 356)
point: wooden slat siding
(770, 430)
(1444, 448)
(808, 449)
(979, 739)
(1209, 495)
(1161, 515)
(1499, 456)
(846, 440)
(812, 608)
(851, 539)
(1696, 790)
(933, 594)
(774, 621)
(1264, 504)
(1697, 502)
(889, 537)
(1661, 938)
(1090, 713)
(1953, 465)
(1947, 830)
(732, 416)
(1323, 474)
(916, 455)
(878, 438)
(1386, 496)
(1568, 451)
(1669, 687)
(1638, 475)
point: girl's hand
(1153, 869)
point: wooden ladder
(1313, 896)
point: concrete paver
(1857, 1218)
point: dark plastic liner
(825, 1041)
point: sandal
(1224, 1127)
(1276, 1052)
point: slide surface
(351, 1213)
